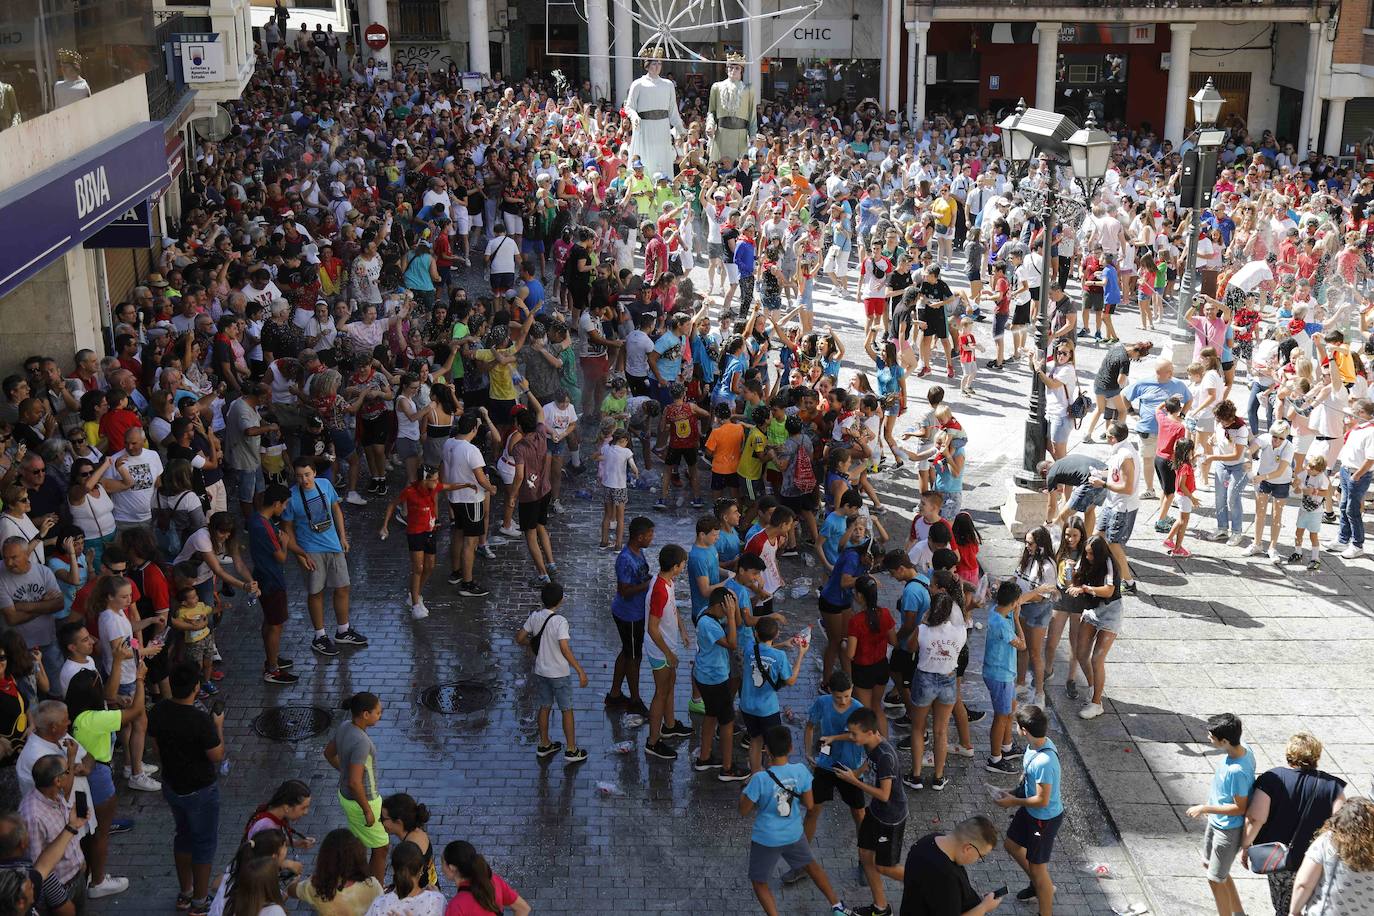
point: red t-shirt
(422, 508)
(682, 426)
(872, 644)
(968, 561)
(115, 424)
(1170, 431)
(464, 904)
(1001, 292)
(1183, 480)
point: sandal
(183, 902)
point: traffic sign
(376, 36)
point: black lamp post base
(1028, 476)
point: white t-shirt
(501, 254)
(1269, 458)
(615, 463)
(428, 902)
(585, 346)
(939, 646)
(135, 504)
(200, 542)
(1358, 447)
(114, 626)
(559, 419)
(1057, 400)
(550, 661)
(461, 461)
(20, 526)
(1238, 436)
(1116, 459)
(638, 345)
(69, 669)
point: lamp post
(1207, 140)
(1032, 135)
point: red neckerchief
(9, 686)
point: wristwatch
(70, 829)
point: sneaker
(351, 637)
(840, 909)
(418, 611)
(638, 708)
(793, 876)
(1314, 565)
(1334, 546)
(1039, 699)
(1182, 552)
(902, 721)
(108, 888)
(540, 581)
(148, 769)
(963, 751)
(1016, 750)
(1023, 694)
(913, 783)
(736, 773)
(323, 645)
(939, 783)
(551, 568)
(661, 505)
(1275, 557)
(472, 589)
(1127, 588)
(893, 701)
(1218, 536)
(285, 664)
(354, 498)
(661, 750)
(1071, 690)
(1091, 711)
(144, 783)
(1149, 494)
(1026, 893)
(702, 766)
(511, 532)
(696, 706)
(1255, 550)
(279, 677)
(548, 750)
(1234, 540)
(1351, 552)
(557, 506)
(904, 744)
(678, 730)
(872, 910)
(697, 503)
(455, 578)
(976, 715)
(577, 755)
(122, 825)
(1163, 525)
(487, 551)
(1329, 518)
(209, 689)
(612, 701)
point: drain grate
(292, 723)
(461, 698)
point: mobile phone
(217, 708)
(81, 808)
(1000, 892)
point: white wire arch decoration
(662, 18)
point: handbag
(1080, 405)
(1267, 858)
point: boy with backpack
(546, 633)
(766, 671)
(717, 629)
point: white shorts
(1302, 443)
(731, 274)
(1183, 503)
(836, 260)
(475, 220)
(515, 224)
(462, 220)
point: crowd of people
(309, 344)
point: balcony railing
(418, 20)
(165, 87)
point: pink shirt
(463, 904)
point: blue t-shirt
(830, 721)
(756, 695)
(745, 599)
(313, 507)
(703, 345)
(734, 365)
(849, 564)
(702, 561)
(1042, 765)
(1234, 776)
(1148, 395)
(946, 481)
(832, 529)
(713, 660)
(915, 599)
(770, 827)
(727, 546)
(669, 349)
(417, 273)
(753, 530)
(59, 564)
(1111, 286)
(889, 379)
(999, 658)
(534, 300)
(744, 257)
(630, 569)
(263, 543)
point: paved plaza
(1284, 649)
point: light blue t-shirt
(734, 365)
(713, 660)
(756, 694)
(701, 561)
(770, 827)
(1234, 776)
(1148, 395)
(669, 348)
(727, 546)
(832, 529)
(417, 273)
(828, 720)
(318, 506)
(999, 658)
(1042, 765)
(915, 599)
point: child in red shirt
(420, 501)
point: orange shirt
(725, 444)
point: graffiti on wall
(426, 56)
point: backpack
(804, 473)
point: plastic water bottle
(224, 766)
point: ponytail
(464, 858)
(407, 863)
(359, 703)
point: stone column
(913, 60)
(921, 39)
(1046, 64)
(479, 42)
(1176, 97)
(1309, 89)
(1335, 125)
(599, 48)
(625, 50)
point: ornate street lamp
(1200, 165)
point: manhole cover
(292, 723)
(461, 698)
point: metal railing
(165, 87)
(418, 20)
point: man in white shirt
(1122, 481)
(463, 464)
(132, 480)
(1356, 461)
(560, 419)
(500, 254)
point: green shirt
(460, 331)
(94, 730)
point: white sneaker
(144, 783)
(1040, 699)
(1023, 694)
(511, 532)
(1351, 552)
(488, 552)
(419, 611)
(108, 888)
(963, 751)
(1334, 546)
(1274, 555)
(354, 498)
(1256, 549)
(1091, 711)
(1235, 540)
(149, 768)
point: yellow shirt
(499, 376)
(943, 211)
(751, 454)
(202, 611)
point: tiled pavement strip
(1284, 650)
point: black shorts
(1036, 837)
(675, 456)
(828, 608)
(724, 481)
(866, 677)
(374, 430)
(631, 637)
(962, 665)
(1093, 301)
(421, 543)
(1164, 470)
(500, 411)
(756, 726)
(274, 608)
(902, 665)
(763, 608)
(468, 518)
(1228, 365)
(719, 701)
(825, 786)
(534, 513)
(1020, 314)
(639, 384)
(884, 840)
(802, 502)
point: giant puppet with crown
(652, 109)
(731, 114)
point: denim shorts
(1275, 490)
(553, 691)
(930, 688)
(1057, 429)
(1002, 694)
(1085, 496)
(248, 484)
(197, 822)
(1108, 616)
(1037, 613)
(1116, 525)
(102, 783)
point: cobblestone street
(633, 834)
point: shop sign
(64, 206)
(202, 58)
(814, 38)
